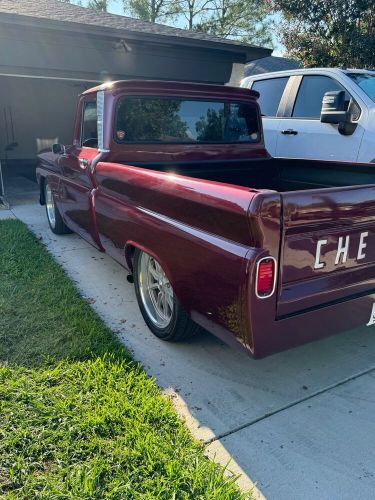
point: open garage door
(35, 112)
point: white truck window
(366, 81)
(310, 94)
(270, 92)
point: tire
(54, 218)
(165, 318)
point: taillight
(265, 277)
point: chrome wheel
(155, 291)
(50, 206)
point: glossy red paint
(209, 236)
(312, 217)
(162, 214)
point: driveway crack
(290, 405)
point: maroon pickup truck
(174, 182)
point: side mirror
(333, 107)
(58, 149)
(334, 111)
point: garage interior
(51, 51)
(34, 114)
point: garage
(34, 114)
(52, 51)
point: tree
(152, 10)
(194, 12)
(92, 4)
(151, 119)
(98, 5)
(329, 32)
(245, 20)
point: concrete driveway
(300, 424)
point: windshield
(176, 120)
(366, 81)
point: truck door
(271, 91)
(303, 135)
(77, 182)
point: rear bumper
(270, 335)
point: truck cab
(294, 125)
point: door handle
(289, 131)
(83, 162)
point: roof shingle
(269, 65)
(55, 10)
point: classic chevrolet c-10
(174, 182)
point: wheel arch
(130, 248)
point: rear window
(174, 120)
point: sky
(116, 7)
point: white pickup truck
(320, 113)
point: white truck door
(271, 91)
(303, 135)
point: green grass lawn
(80, 419)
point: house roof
(58, 11)
(269, 65)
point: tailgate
(327, 248)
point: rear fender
(131, 246)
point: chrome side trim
(231, 246)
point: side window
(270, 92)
(89, 133)
(310, 94)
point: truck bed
(277, 174)
(211, 233)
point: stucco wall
(78, 55)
